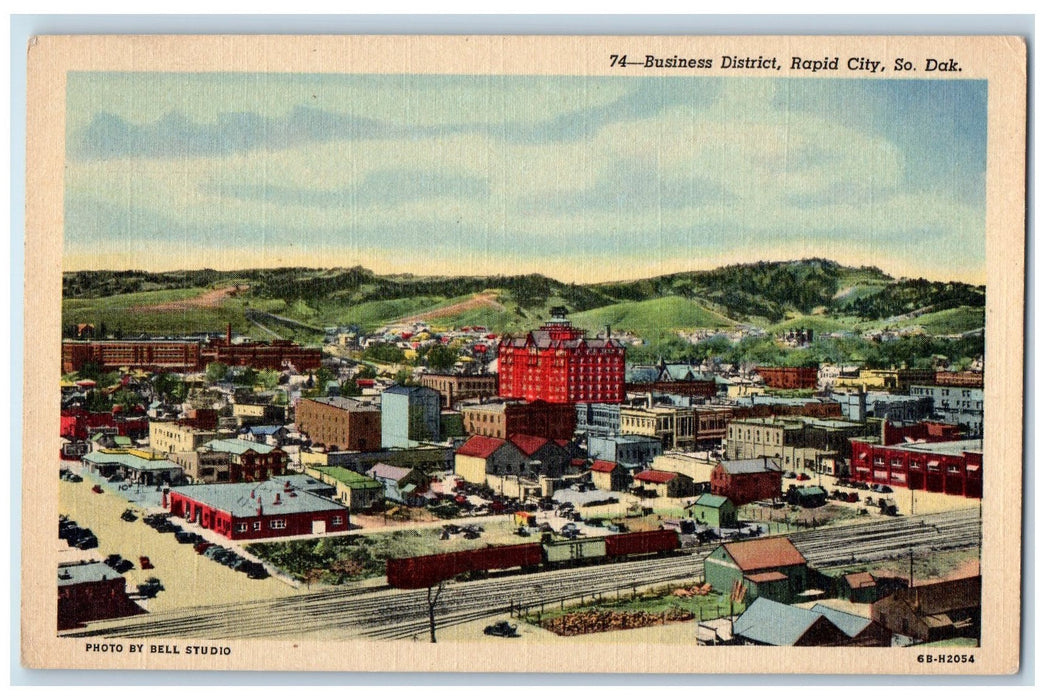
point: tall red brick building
(557, 364)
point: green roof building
(716, 511)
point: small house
(609, 476)
(716, 511)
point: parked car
(184, 537)
(803, 477)
(128, 516)
(88, 541)
(501, 629)
(150, 588)
(145, 563)
(256, 570)
(789, 475)
(97, 489)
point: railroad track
(395, 614)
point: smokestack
(607, 331)
(228, 333)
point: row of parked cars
(229, 558)
(161, 523)
(74, 535)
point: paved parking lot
(188, 578)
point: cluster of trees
(911, 295)
(89, 284)
(915, 351)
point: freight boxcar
(569, 552)
(510, 557)
(639, 543)
(422, 572)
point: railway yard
(381, 612)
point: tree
(366, 372)
(268, 378)
(441, 357)
(216, 372)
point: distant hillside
(645, 317)
(817, 294)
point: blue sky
(580, 178)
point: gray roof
(409, 390)
(641, 374)
(769, 622)
(954, 448)
(387, 471)
(238, 447)
(345, 404)
(130, 461)
(851, 624)
(265, 429)
(236, 499)
(85, 572)
(750, 466)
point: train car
(570, 552)
(640, 543)
(508, 557)
(422, 572)
(426, 571)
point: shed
(767, 567)
(716, 511)
(769, 623)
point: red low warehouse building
(89, 591)
(256, 511)
(954, 467)
(746, 480)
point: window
(241, 527)
(257, 525)
(278, 524)
(336, 520)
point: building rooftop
(749, 466)
(656, 477)
(351, 479)
(265, 429)
(244, 500)
(130, 461)
(238, 447)
(387, 471)
(85, 572)
(710, 500)
(528, 444)
(769, 622)
(601, 465)
(851, 624)
(399, 390)
(345, 404)
(766, 553)
(954, 448)
(480, 446)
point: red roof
(766, 577)
(654, 476)
(770, 553)
(601, 465)
(528, 443)
(480, 446)
(862, 579)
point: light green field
(643, 317)
(819, 324)
(959, 320)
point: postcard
(592, 354)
